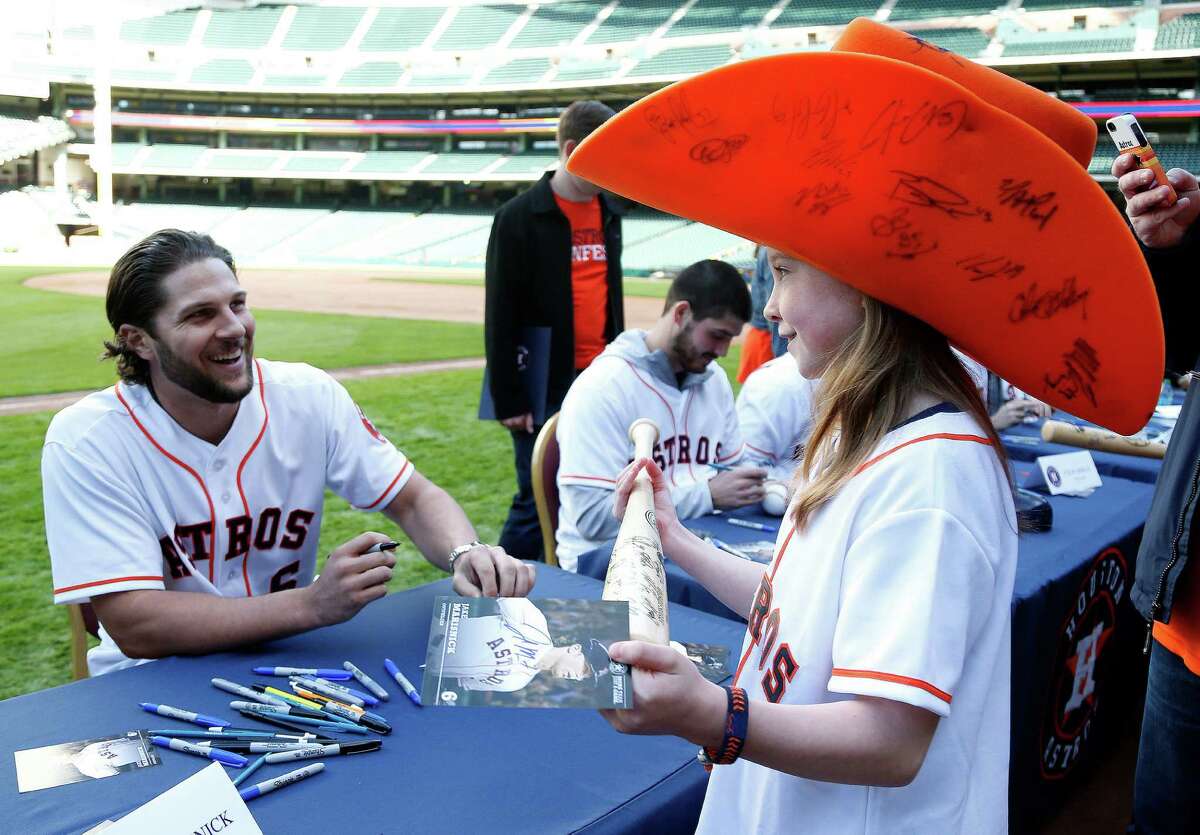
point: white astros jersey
(498, 652)
(134, 501)
(900, 588)
(697, 427)
(775, 414)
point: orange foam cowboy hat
(931, 183)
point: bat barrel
(1055, 431)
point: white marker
(366, 681)
(332, 750)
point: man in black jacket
(553, 261)
(1166, 586)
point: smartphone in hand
(1129, 138)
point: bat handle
(643, 433)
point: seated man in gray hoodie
(667, 374)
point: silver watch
(459, 551)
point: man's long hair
(135, 289)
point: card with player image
(516, 652)
(86, 759)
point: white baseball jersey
(697, 425)
(775, 414)
(134, 501)
(900, 588)
(497, 652)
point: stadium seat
(83, 623)
(1064, 47)
(586, 70)
(1038, 5)
(243, 29)
(396, 30)
(476, 27)
(633, 19)
(225, 72)
(321, 28)
(708, 16)
(171, 29)
(923, 9)
(683, 60)
(518, 71)
(824, 13)
(1182, 32)
(544, 472)
(373, 74)
(555, 24)
(970, 43)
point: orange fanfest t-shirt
(589, 277)
(1182, 635)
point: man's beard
(685, 352)
(192, 379)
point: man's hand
(351, 580)
(489, 571)
(669, 696)
(519, 422)
(737, 487)
(1155, 225)
(1017, 409)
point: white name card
(206, 802)
(1071, 473)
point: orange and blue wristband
(737, 720)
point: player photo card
(87, 759)
(516, 652)
(712, 660)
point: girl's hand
(669, 695)
(669, 525)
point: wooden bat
(1058, 432)
(635, 570)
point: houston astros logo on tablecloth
(1080, 664)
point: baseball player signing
(203, 471)
(908, 200)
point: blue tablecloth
(1056, 570)
(441, 770)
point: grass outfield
(70, 328)
(650, 288)
(430, 416)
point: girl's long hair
(865, 391)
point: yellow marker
(317, 697)
(1129, 138)
(296, 700)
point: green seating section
(244, 29)
(1182, 32)
(633, 19)
(454, 163)
(556, 24)
(683, 60)
(330, 163)
(672, 244)
(709, 16)
(388, 162)
(586, 71)
(241, 162)
(173, 156)
(142, 78)
(293, 80)
(1065, 47)
(1038, 5)
(475, 27)
(532, 163)
(440, 78)
(921, 9)
(824, 12)
(171, 29)
(223, 71)
(373, 74)
(969, 43)
(519, 71)
(322, 28)
(395, 30)
(124, 152)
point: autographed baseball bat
(635, 570)
(1083, 436)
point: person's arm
(437, 525)
(863, 741)
(504, 271)
(153, 623)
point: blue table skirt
(441, 770)
(1050, 569)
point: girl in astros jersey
(908, 199)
